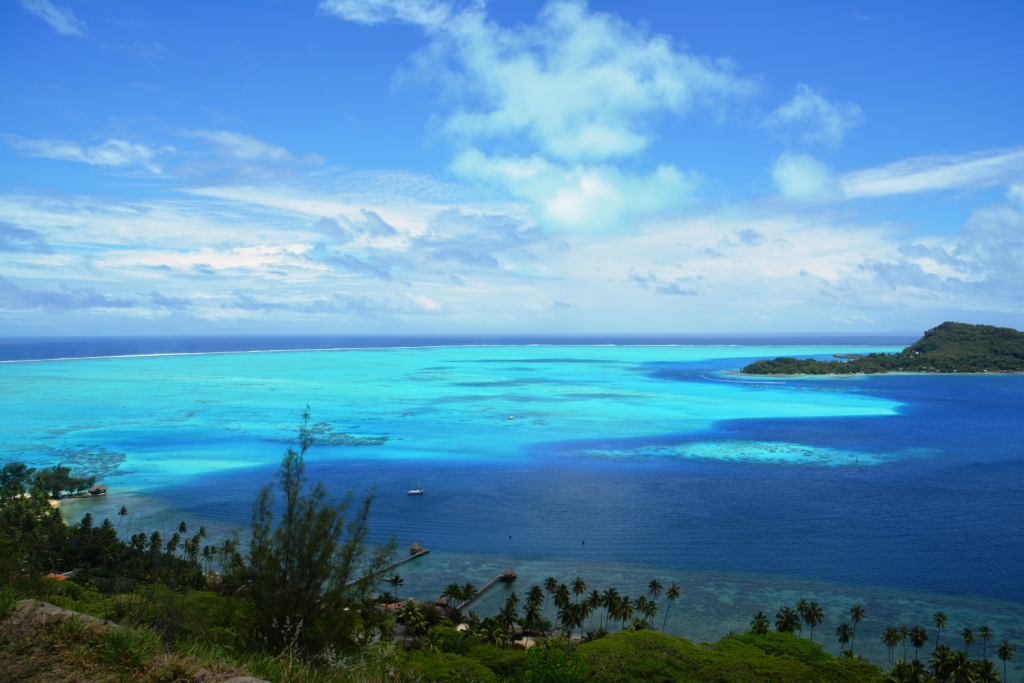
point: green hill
(950, 347)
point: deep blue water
(623, 462)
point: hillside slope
(950, 347)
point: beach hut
(415, 549)
(98, 490)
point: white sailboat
(416, 490)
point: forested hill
(950, 347)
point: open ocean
(618, 460)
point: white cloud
(594, 197)
(813, 119)
(803, 178)
(575, 85)
(937, 172)
(422, 12)
(61, 19)
(241, 146)
(112, 153)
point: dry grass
(69, 650)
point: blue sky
(419, 166)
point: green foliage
(32, 532)
(554, 665)
(950, 347)
(303, 566)
(130, 648)
(779, 657)
(442, 667)
(57, 479)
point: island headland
(950, 347)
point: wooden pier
(415, 551)
(506, 576)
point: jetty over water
(505, 576)
(415, 551)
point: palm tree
(395, 582)
(508, 615)
(534, 599)
(918, 637)
(1005, 652)
(759, 625)
(985, 672)
(967, 635)
(814, 616)
(904, 634)
(594, 602)
(609, 600)
(985, 633)
(550, 585)
(579, 587)
(801, 609)
(562, 596)
(123, 512)
(650, 611)
(625, 610)
(957, 668)
(843, 632)
(891, 638)
(787, 620)
(940, 620)
(654, 590)
(672, 595)
(452, 593)
(937, 661)
(469, 592)
(856, 615)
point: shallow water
(619, 463)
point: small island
(950, 347)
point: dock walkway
(507, 575)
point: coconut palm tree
(957, 668)
(650, 611)
(856, 616)
(760, 625)
(940, 620)
(891, 638)
(562, 596)
(967, 635)
(594, 601)
(1005, 652)
(452, 593)
(787, 620)
(610, 601)
(671, 595)
(904, 634)
(843, 632)
(550, 585)
(985, 633)
(491, 632)
(625, 610)
(121, 514)
(801, 609)
(507, 616)
(937, 662)
(395, 581)
(534, 600)
(985, 672)
(918, 637)
(579, 587)
(654, 590)
(813, 616)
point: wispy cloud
(14, 298)
(937, 172)
(62, 19)
(13, 238)
(801, 177)
(112, 153)
(812, 119)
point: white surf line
(397, 348)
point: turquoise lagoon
(615, 463)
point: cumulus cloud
(812, 119)
(373, 266)
(571, 92)
(595, 197)
(61, 19)
(112, 153)
(13, 238)
(801, 177)
(14, 298)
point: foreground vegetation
(950, 347)
(301, 605)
